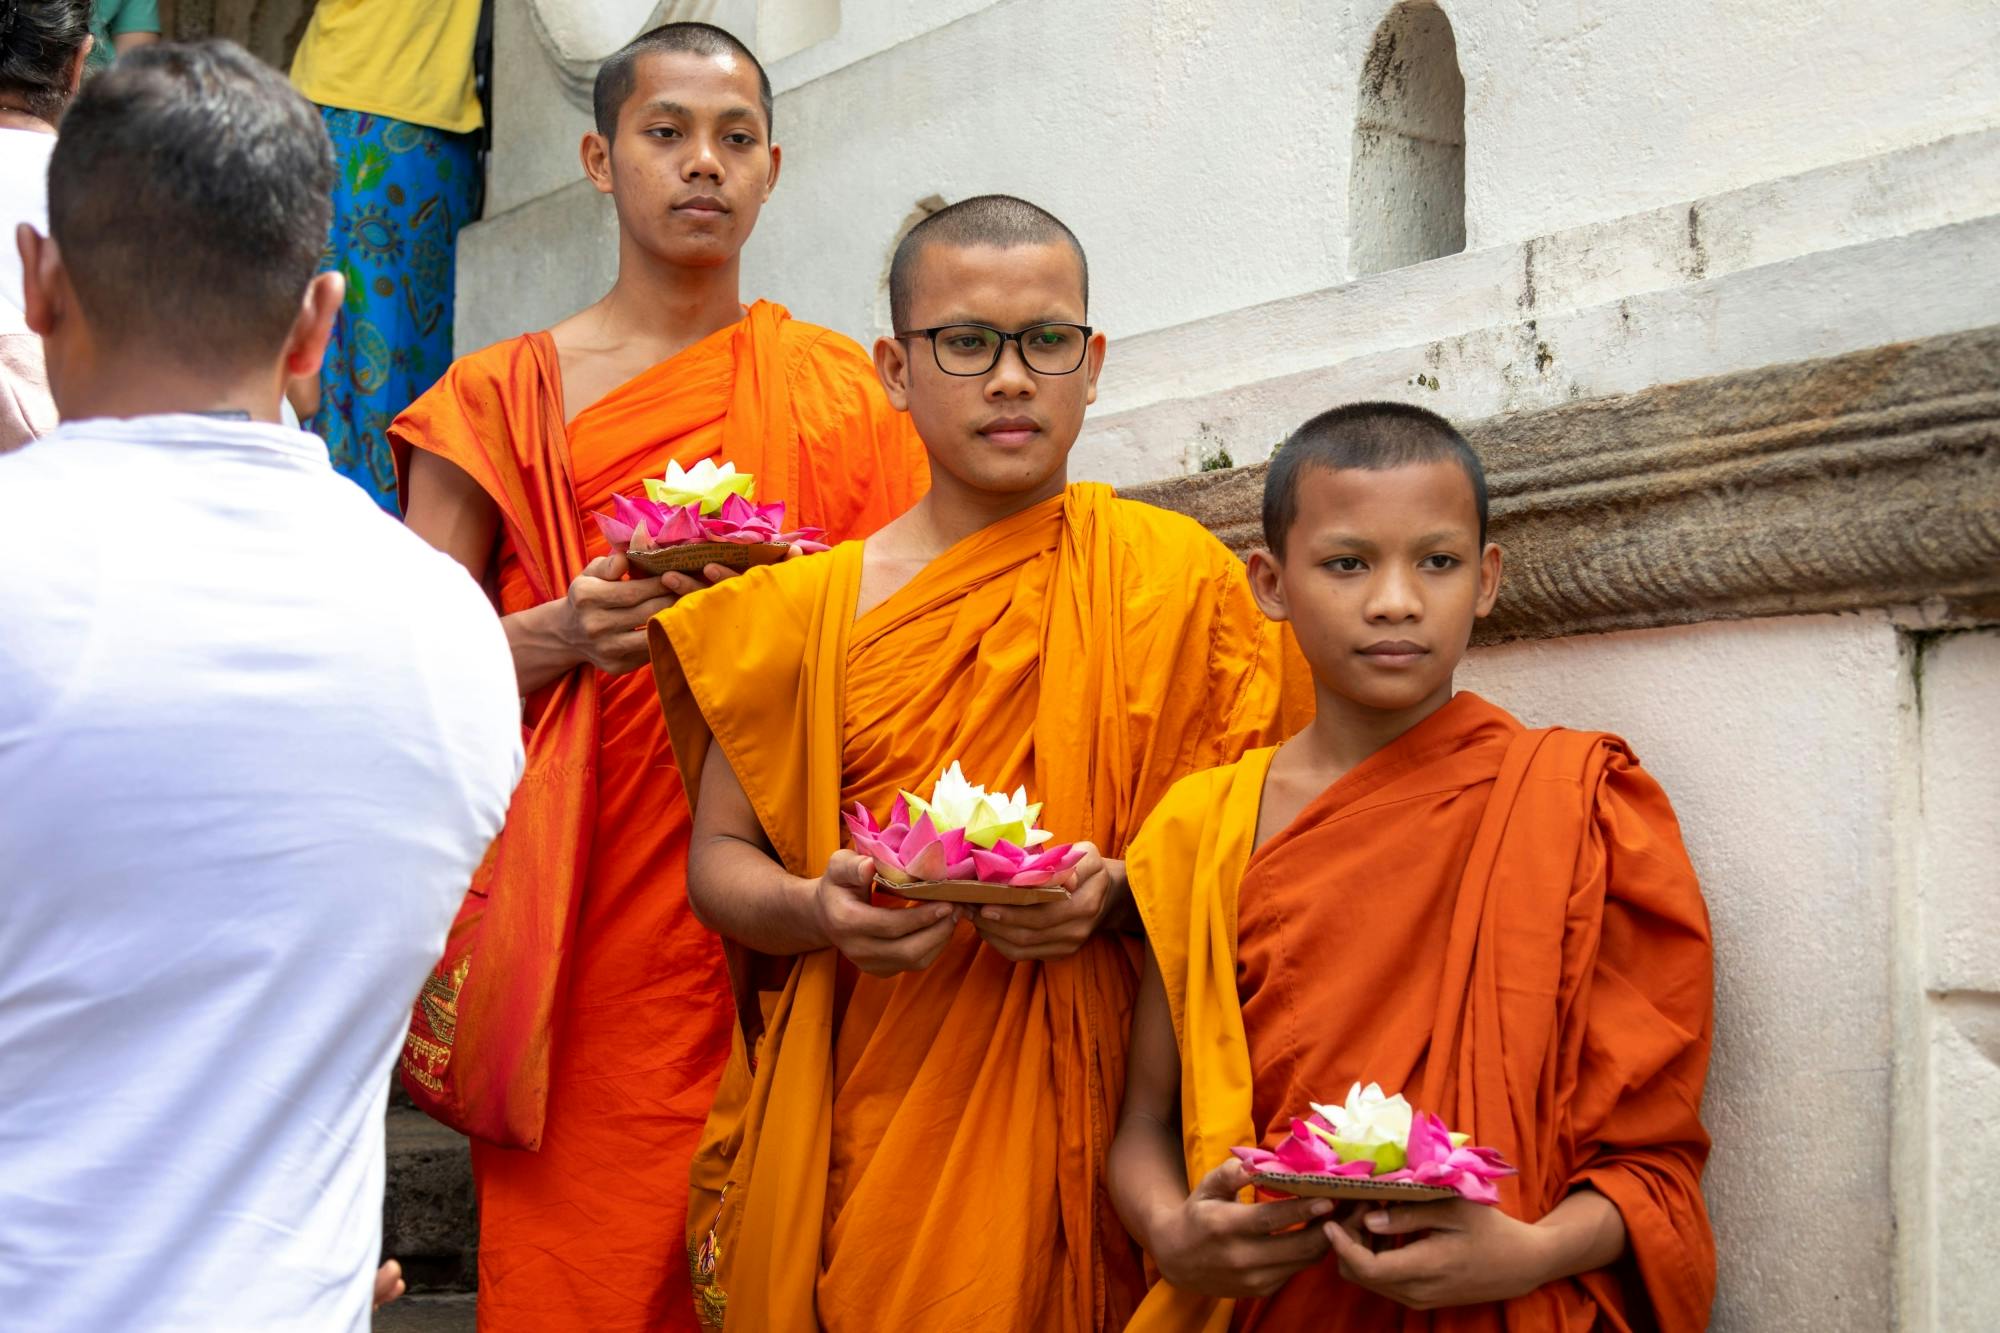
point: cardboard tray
(971, 891)
(693, 557)
(1348, 1187)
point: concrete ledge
(1870, 480)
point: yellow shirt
(407, 59)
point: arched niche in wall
(576, 35)
(1406, 188)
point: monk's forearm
(1582, 1233)
(1148, 1179)
(738, 891)
(542, 651)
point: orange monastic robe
(580, 1009)
(1500, 923)
(926, 1151)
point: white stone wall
(1653, 192)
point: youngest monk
(1415, 891)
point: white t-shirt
(24, 197)
(254, 738)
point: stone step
(449, 1312)
(429, 1221)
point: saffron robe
(1500, 923)
(926, 1151)
(580, 1009)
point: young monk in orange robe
(913, 1129)
(1416, 891)
(581, 1018)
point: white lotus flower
(704, 484)
(987, 817)
(1370, 1126)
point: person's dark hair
(619, 74)
(190, 193)
(988, 219)
(1369, 436)
(39, 42)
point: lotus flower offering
(1376, 1147)
(964, 845)
(699, 517)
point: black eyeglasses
(974, 349)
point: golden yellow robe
(926, 1151)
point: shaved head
(1372, 437)
(998, 220)
(618, 75)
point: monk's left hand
(1057, 930)
(1463, 1253)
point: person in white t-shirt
(254, 739)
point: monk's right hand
(603, 617)
(1215, 1245)
(881, 941)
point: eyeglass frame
(1000, 348)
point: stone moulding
(1856, 482)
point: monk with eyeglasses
(913, 1130)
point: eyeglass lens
(973, 349)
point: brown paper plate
(693, 557)
(972, 891)
(1351, 1187)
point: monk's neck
(1344, 733)
(950, 513)
(667, 308)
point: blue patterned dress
(400, 194)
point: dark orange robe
(1500, 923)
(926, 1151)
(581, 1011)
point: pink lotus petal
(772, 513)
(616, 532)
(921, 835)
(996, 867)
(682, 524)
(930, 863)
(1257, 1159)
(736, 510)
(899, 813)
(875, 849)
(860, 817)
(633, 515)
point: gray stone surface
(428, 1314)
(429, 1221)
(531, 266)
(1870, 480)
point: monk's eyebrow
(1443, 538)
(1034, 323)
(664, 107)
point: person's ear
(305, 345)
(1489, 581)
(892, 367)
(771, 181)
(1267, 588)
(595, 150)
(1093, 363)
(74, 77)
(42, 284)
